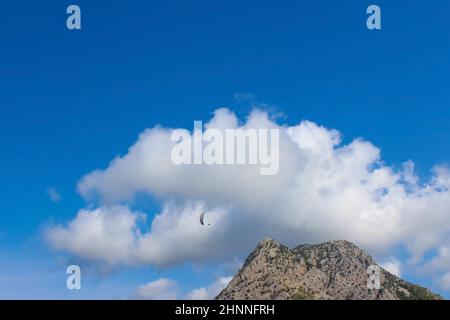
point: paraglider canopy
(202, 218)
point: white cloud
(445, 281)
(54, 195)
(440, 262)
(324, 190)
(393, 266)
(107, 234)
(209, 292)
(161, 289)
(112, 235)
(167, 289)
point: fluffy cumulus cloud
(112, 235)
(209, 292)
(167, 289)
(392, 265)
(104, 234)
(439, 265)
(445, 281)
(161, 289)
(324, 190)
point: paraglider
(202, 219)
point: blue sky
(73, 100)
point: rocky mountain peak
(331, 270)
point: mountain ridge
(335, 269)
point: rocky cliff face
(331, 270)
